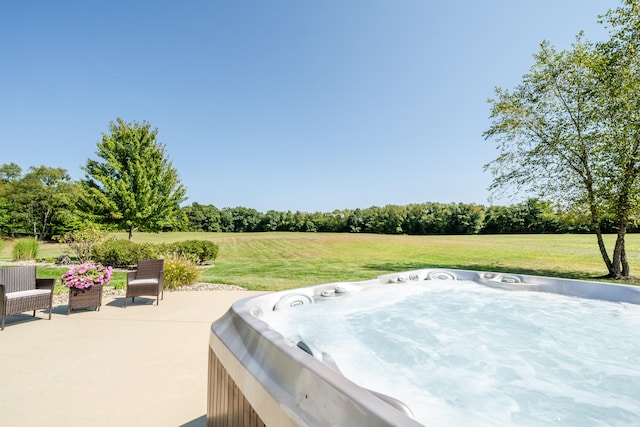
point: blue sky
(279, 104)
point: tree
(530, 216)
(135, 186)
(202, 217)
(465, 219)
(354, 220)
(385, 220)
(571, 130)
(9, 172)
(436, 217)
(271, 221)
(244, 219)
(34, 203)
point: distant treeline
(531, 216)
(45, 203)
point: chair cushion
(29, 293)
(143, 282)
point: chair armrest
(2, 292)
(45, 284)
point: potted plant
(85, 282)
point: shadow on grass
(566, 274)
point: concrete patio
(145, 365)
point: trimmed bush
(25, 249)
(179, 271)
(116, 253)
(148, 251)
(123, 253)
(198, 251)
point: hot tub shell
(257, 377)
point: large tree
(571, 130)
(134, 186)
(38, 202)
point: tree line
(44, 202)
(431, 218)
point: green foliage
(203, 217)
(465, 219)
(134, 186)
(116, 253)
(123, 253)
(532, 216)
(9, 173)
(25, 249)
(179, 271)
(576, 221)
(198, 251)
(571, 129)
(6, 224)
(41, 202)
(81, 242)
(425, 218)
(244, 219)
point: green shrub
(124, 253)
(116, 253)
(25, 249)
(179, 271)
(148, 251)
(198, 251)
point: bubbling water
(463, 354)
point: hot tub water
(459, 353)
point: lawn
(275, 261)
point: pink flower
(87, 275)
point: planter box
(85, 298)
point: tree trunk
(604, 254)
(45, 221)
(625, 263)
(595, 223)
(620, 262)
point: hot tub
(266, 368)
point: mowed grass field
(276, 261)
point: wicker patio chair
(147, 280)
(20, 291)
